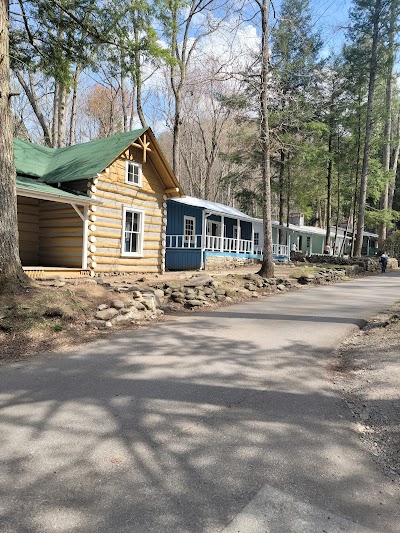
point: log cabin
(95, 207)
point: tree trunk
(384, 203)
(337, 199)
(281, 197)
(31, 95)
(394, 163)
(55, 124)
(62, 116)
(72, 124)
(11, 274)
(267, 267)
(354, 215)
(329, 192)
(368, 131)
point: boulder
(106, 314)
(99, 324)
(101, 307)
(118, 304)
(198, 281)
(138, 305)
(193, 303)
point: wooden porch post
(221, 246)
(85, 237)
(252, 239)
(238, 237)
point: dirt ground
(367, 374)
(52, 316)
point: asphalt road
(224, 421)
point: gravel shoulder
(367, 374)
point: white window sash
(139, 233)
(130, 167)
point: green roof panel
(36, 186)
(31, 159)
(81, 161)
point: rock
(136, 294)
(198, 281)
(121, 289)
(108, 324)
(106, 314)
(254, 295)
(250, 286)
(149, 303)
(135, 314)
(231, 293)
(118, 304)
(138, 305)
(220, 292)
(177, 294)
(101, 307)
(120, 319)
(221, 297)
(208, 291)
(193, 303)
(159, 293)
(281, 287)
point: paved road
(222, 421)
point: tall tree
(267, 266)
(369, 20)
(11, 273)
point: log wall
(28, 227)
(61, 234)
(106, 220)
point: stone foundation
(215, 262)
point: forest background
(87, 69)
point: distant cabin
(205, 235)
(95, 207)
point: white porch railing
(211, 243)
(227, 244)
(277, 249)
(183, 241)
(280, 249)
(230, 245)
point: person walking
(384, 261)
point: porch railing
(183, 241)
(230, 245)
(227, 244)
(277, 249)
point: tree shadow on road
(170, 430)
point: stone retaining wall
(215, 262)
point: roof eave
(78, 200)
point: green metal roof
(81, 161)
(34, 186)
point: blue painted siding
(175, 217)
(176, 259)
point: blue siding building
(198, 229)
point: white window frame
(209, 226)
(129, 163)
(257, 238)
(186, 237)
(140, 212)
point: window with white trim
(132, 232)
(256, 238)
(189, 229)
(133, 173)
(235, 232)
